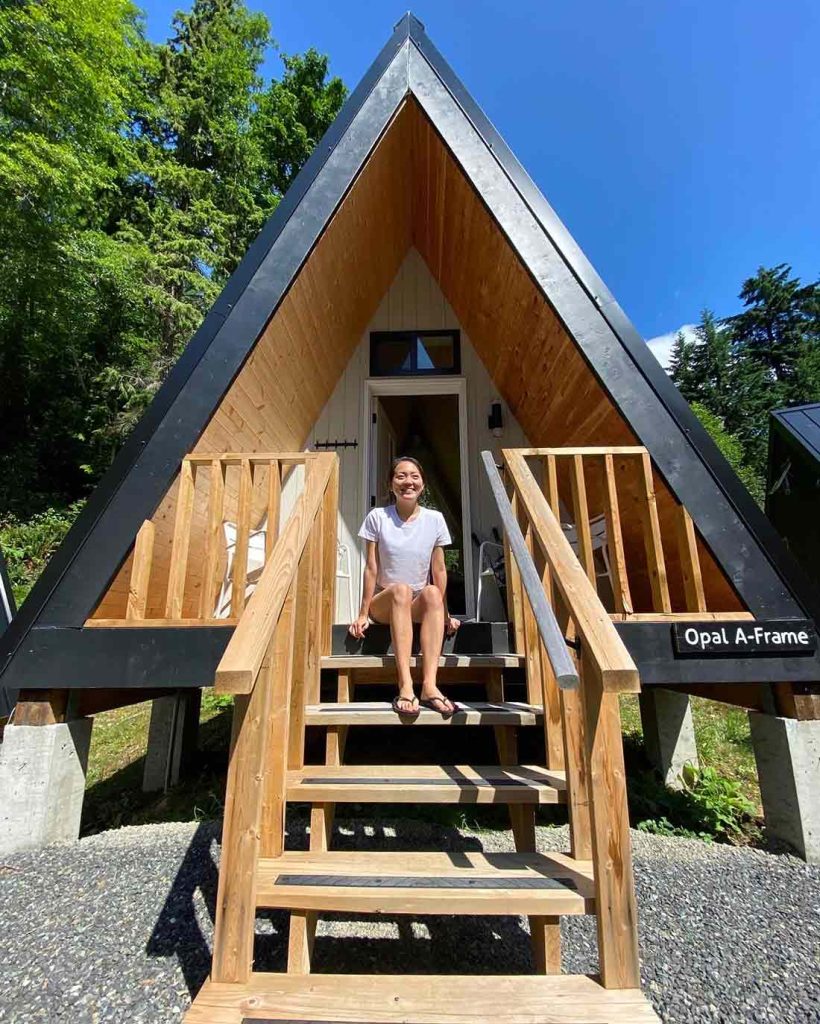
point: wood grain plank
(140, 572)
(181, 541)
(653, 540)
(243, 529)
(213, 540)
(690, 562)
(615, 539)
(274, 503)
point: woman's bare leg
(393, 605)
(428, 609)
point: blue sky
(679, 140)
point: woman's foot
(406, 705)
(436, 701)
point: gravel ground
(118, 927)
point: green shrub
(28, 545)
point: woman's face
(407, 482)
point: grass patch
(116, 760)
(719, 801)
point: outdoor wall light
(495, 421)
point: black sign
(745, 638)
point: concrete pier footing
(787, 752)
(172, 739)
(42, 783)
(668, 732)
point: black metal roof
(741, 538)
(803, 422)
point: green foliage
(710, 806)
(133, 177)
(738, 369)
(27, 546)
(731, 449)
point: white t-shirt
(405, 548)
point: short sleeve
(370, 526)
(443, 537)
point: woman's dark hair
(402, 458)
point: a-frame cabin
(415, 290)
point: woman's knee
(431, 596)
(401, 593)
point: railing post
(236, 895)
(330, 541)
(276, 768)
(615, 906)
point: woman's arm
(371, 571)
(438, 570)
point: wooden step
(429, 784)
(427, 883)
(419, 999)
(416, 661)
(381, 713)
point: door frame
(376, 387)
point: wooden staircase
(273, 666)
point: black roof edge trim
(193, 352)
(764, 533)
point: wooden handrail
(563, 666)
(244, 655)
(592, 622)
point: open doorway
(430, 428)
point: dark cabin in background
(793, 486)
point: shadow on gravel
(428, 945)
(192, 898)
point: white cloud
(662, 345)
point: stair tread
(381, 713)
(419, 999)
(426, 784)
(445, 661)
(441, 883)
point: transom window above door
(414, 353)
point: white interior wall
(413, 302)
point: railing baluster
(615, 539)
(275, 786)
(243, 529)
(274, 504)
(652, 539)
(330, 543)
(580, 510)
(515, 596)
(182, 538)
(532, 654)
(690, 562)
(213, 540)
(140, 572)
(305, 658)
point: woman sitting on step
(404, 551)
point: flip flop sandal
(402, 712)
(430, 702)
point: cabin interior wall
(412, 246)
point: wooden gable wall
(411, 192)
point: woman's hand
(358, 627)
(451, 625)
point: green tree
(731, 449)
(133, 177)
(681, 369)
(69, 73)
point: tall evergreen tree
(132, 179)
